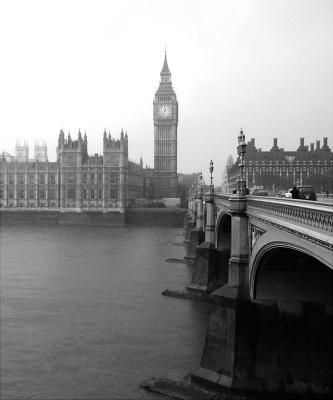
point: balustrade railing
(310, 214)
(222, 200)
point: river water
(82, 315)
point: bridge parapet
(311, 214)
(312, 219)
(222, 201)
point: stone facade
(40, 152)
(165, 137)
(283, 169)
(76, 181)
(22, 152)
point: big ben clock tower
(165, 136)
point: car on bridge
(307, 193)
(288, 194)
(304, 193)
(259, 192)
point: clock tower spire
(165, 136)
(165, 73)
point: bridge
(285, 232)
(254, 233)
(267, 263)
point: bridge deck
(312, 219)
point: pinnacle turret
(165, 68)
(165, 82)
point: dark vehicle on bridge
(307, 193)
(259, 192)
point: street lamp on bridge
(200, 184)
(241, 150)
(211, 169)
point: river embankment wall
(155, 217)
(140, 217)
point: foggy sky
(265, 66)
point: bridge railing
(301, 212)
(222, 200)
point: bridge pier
(268, 347)
(206, 276)
(189, 223)
(196, 233)
(238, 274)
(188, 226)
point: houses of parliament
(79, 181)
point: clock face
(164, 111)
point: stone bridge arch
(223, 245)
(282, 271)
(223, 231)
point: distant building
(22, 152)
(40, 153)
(279, 169)
(8, 157)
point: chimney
(317, 144)
(325, 142)
(301, 142)
(312, 146)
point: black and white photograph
(166, 199)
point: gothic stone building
(278, 169)
(99, 182)
(76, 180)
(165, 137)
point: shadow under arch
(223, 245)
(284, 272)
(223, 232)
(204, 217)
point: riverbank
(155, 217)
(132, 216)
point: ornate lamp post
(239, 260)
(199, 220)
(210, 208)
(189, 199)
(199, 187)
(211, 169)
(241, 150)
(194, 205)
